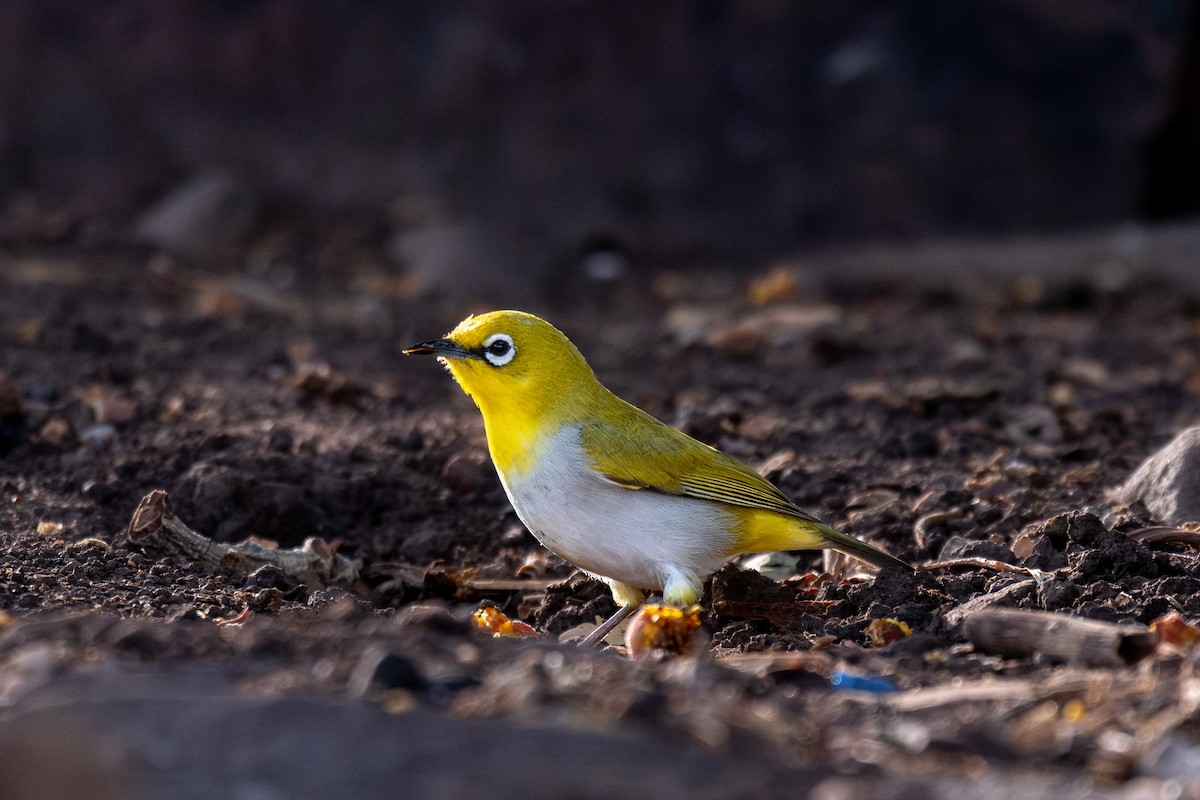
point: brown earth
(940, 423)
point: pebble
(98, 434)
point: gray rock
(1168, 482)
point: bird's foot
(596, 637)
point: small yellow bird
(606, 486)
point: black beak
(443, 348)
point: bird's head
(511, 363)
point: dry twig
(155, 528)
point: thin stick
(1162, 534)
(985, 563)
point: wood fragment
(155, 529)
(1165, 534)
(923, 523)
(976, 563)
(763, 664)
(510, 584)
(1011, 691)
(1086, 642)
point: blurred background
(511, 149)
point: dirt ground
(950, 423)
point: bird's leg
(628, 599)
(596, 637)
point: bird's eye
(499, 349)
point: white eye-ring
(499, 349)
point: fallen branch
(156, 529)
(1087, 642)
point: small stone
(1168, 482)
(98, 434)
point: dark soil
(940, 424)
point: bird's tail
(861, 550)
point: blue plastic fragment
(861, 683)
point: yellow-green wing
(639, 452)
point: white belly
(638, 537)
